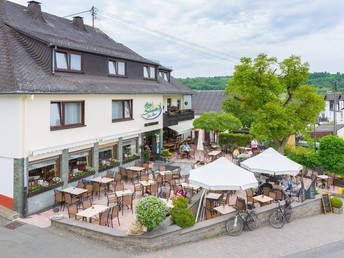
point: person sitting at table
(236, 154)
(295, 190)
(249, 153)
(286, 182)
(186, 150)
(267, 184)
(180, 192)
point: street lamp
(334, 107)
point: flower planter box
(45, 189)
(127, 160)
(108, 167)
(73, 179)
(337, 210)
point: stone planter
(338, 210)
(73, 179)
(108, 167)
(44, 189)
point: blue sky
(202, 38)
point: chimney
(78, 23)
(34, 9)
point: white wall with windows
(173, 100)
(43, 116)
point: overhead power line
(74, 14)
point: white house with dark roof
(73, 103)
(328, 113)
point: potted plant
(151, 211)
(337, 205)
(166, 153)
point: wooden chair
(279, 194)
(240, 203)
(103, 219)
(114, 212)
(144, 177)
(110, 174)
(154, 189)
(86, 203)
(119, 187)
(132, 175)
(97, 188)
(124, 173)
(81, 185)
(89, 192)
(273, 196)
(266, 191)
(72, 209)
(111, 199)
(69, 199)
(138, 163)
(118, 178)
(207, 213)
(138, 188)
(127, 200)
(59, 198)
(176, 174)
(249, 197)
(330, 181)
(192, 154)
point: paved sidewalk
(300, 238)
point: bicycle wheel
(234, 226)
(288, 213)
(276, 219)
(252, 221)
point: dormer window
(165, 75)
(68, 61)
(149, 72)
(116, 68)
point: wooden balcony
(172, 118)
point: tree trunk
(281, 144)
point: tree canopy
(213, 121)
(275, 96)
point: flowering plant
(55, 180)
(89, 169)
(56, 209)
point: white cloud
(311, 29)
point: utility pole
(334, 107)
(93, 13)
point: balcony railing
(172, 118)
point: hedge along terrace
(240, 139)
(330, 155)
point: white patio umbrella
(271, 162)
(199, 147)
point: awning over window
(182, 127)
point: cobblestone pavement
(309, 237)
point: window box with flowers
(34, 190)
(108, 164)
(89, 171)
(131, 157)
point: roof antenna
(93, 13)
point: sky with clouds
(202, 38)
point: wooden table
(120, 193)
(145, 183)
(262, 199)
(322, 177)
(169, 145)
(74, 190)
(224, 209)
(214, 154)
(137, 169)
(92, 211)
(102, 180)
(213, 196)
(169, 203)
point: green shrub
(151, 211)
(336, 202)
(166, 152)
(331, 153)
(234, 138)
(146, 155)
(181, 215)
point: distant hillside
(322, 81)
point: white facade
(328, 113)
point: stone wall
(170, 235)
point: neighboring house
(72, 99)
(323, 130)
(327, 115)
(207, 101)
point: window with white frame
(149, 72)
(122, 110)
(68, 61)
(117, 68)
(164, 75)
(66, 114)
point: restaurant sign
(152, 111)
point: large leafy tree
(213, 121)
(275, 97)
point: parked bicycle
(281, 214)
(235, 225)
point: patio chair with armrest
(72, 209)
(103, 218)
(132, 175)
(69, 199)
(114, 212)
(97, 188)
(127, 200)
(124, 173)
(110, 174)
(86, 203)
(111, 199)
(241, 204)
(59, 198)
(80, 185)
(266, 191)
(330, 181)
(138, 188)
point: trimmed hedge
(239, 139)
